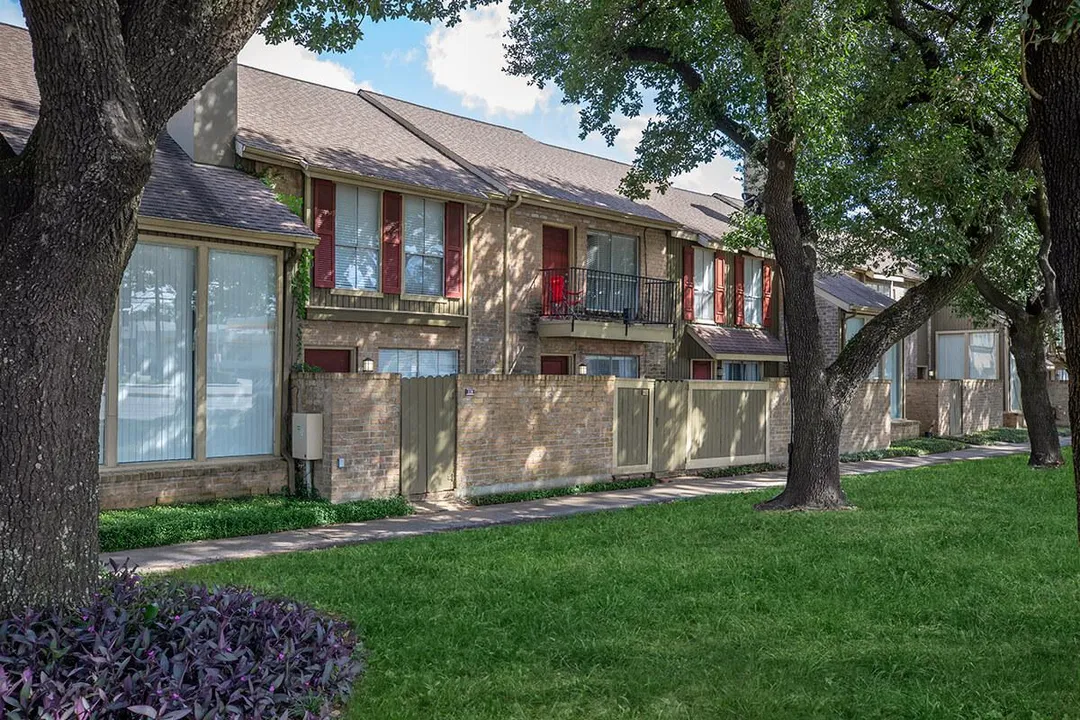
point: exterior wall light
(368, 365)
(582, 369)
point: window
(972, 355)
(1014, 386)
(241, 341)
(745, 371)
(982, 356)
(888, 368)
(624, 366)
(156, 355)
(1061, 375)
(611, 281)
(752, 292)
(356, 238)
(424, 251)
(418, 363)
(704, 284)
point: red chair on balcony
(561, 302)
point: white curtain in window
(741, 371)
(418, 363)
(982, 356)
(241, 347)
(156, 358)
(950, 356)
(752, 292)
(704, 284)
(356, 238)
(424, 246)
(624, 366)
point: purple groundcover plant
(169, 650)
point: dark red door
(554, 365)
(556, 259)
(701, 369)
(329, 360)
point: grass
(951, 593)
(169, 524)
(912, 447)
(498, 498)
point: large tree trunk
(1028, 340)
(1053, 71)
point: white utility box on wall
(307, 436)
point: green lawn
(954, 592)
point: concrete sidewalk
(172, 557)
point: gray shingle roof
(337, 130)
(848, 293)
(734, 342)
(178, 188)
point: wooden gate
(428, 434)
(727, 424)
(669, 439)
(633, 425)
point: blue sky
(458, 70)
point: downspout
(470, 226)
(506, 283)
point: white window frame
(967, 352)
(405, 254)
(338, 276)
(439, 353)
(726, 366)
(202, 276)
(704, 285)
(753, 293)
(635, 358)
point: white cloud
(468, 59)
(718, 175)
(294, 61)
(11, 13)
(397, 56)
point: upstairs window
(752, 292)
(356, 238)
(971, 355)
(424, 246)
(704, 284)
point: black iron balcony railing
(581, 293)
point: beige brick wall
(984, 405)
(929, 401)
(904, 429)
(527, 431)
(133, 486)
(367, 338)
(361, 425)
(1059, 398)
(486, 287)
(829, 318)
(867, 425)
(923, 402)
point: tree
(1052, 78)
(110, 74)
(779, 81)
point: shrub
(167, 650)
(912, 447)
(499, 498)
(737, 470)
(170, 524)
(994, 435)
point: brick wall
(904, 429)
(528, 431)
(923, 402)
(361, 425)
(131, 486)
(829, 319)
(984, 404)
(867, 425)
(1059, 398)
(367, 338)
(486, 288)
(929, 402)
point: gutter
(506, 282)
(469, 227)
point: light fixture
(930, 374)
(582, 369)
(368, 365)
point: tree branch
(997, 297)
(692, 80)
(931, 55)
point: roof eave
(224, 232)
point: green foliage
(912, 447)
(737, 470)
(995, 435)
(170, 524)
(524, 495)
(950, 593)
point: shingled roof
(178, 189)
(336, 130)
(734, 343)
(849, 294)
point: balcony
(579, 302)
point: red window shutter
(720, 287)
(766, 294)
(391, 239)
(323, 201)
(453, 246)
(688, 283)
(740, 318)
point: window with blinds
(418, 363)
(424, 246)
(357, 234)
(752, 292)
(624, 366)
(704, 284)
